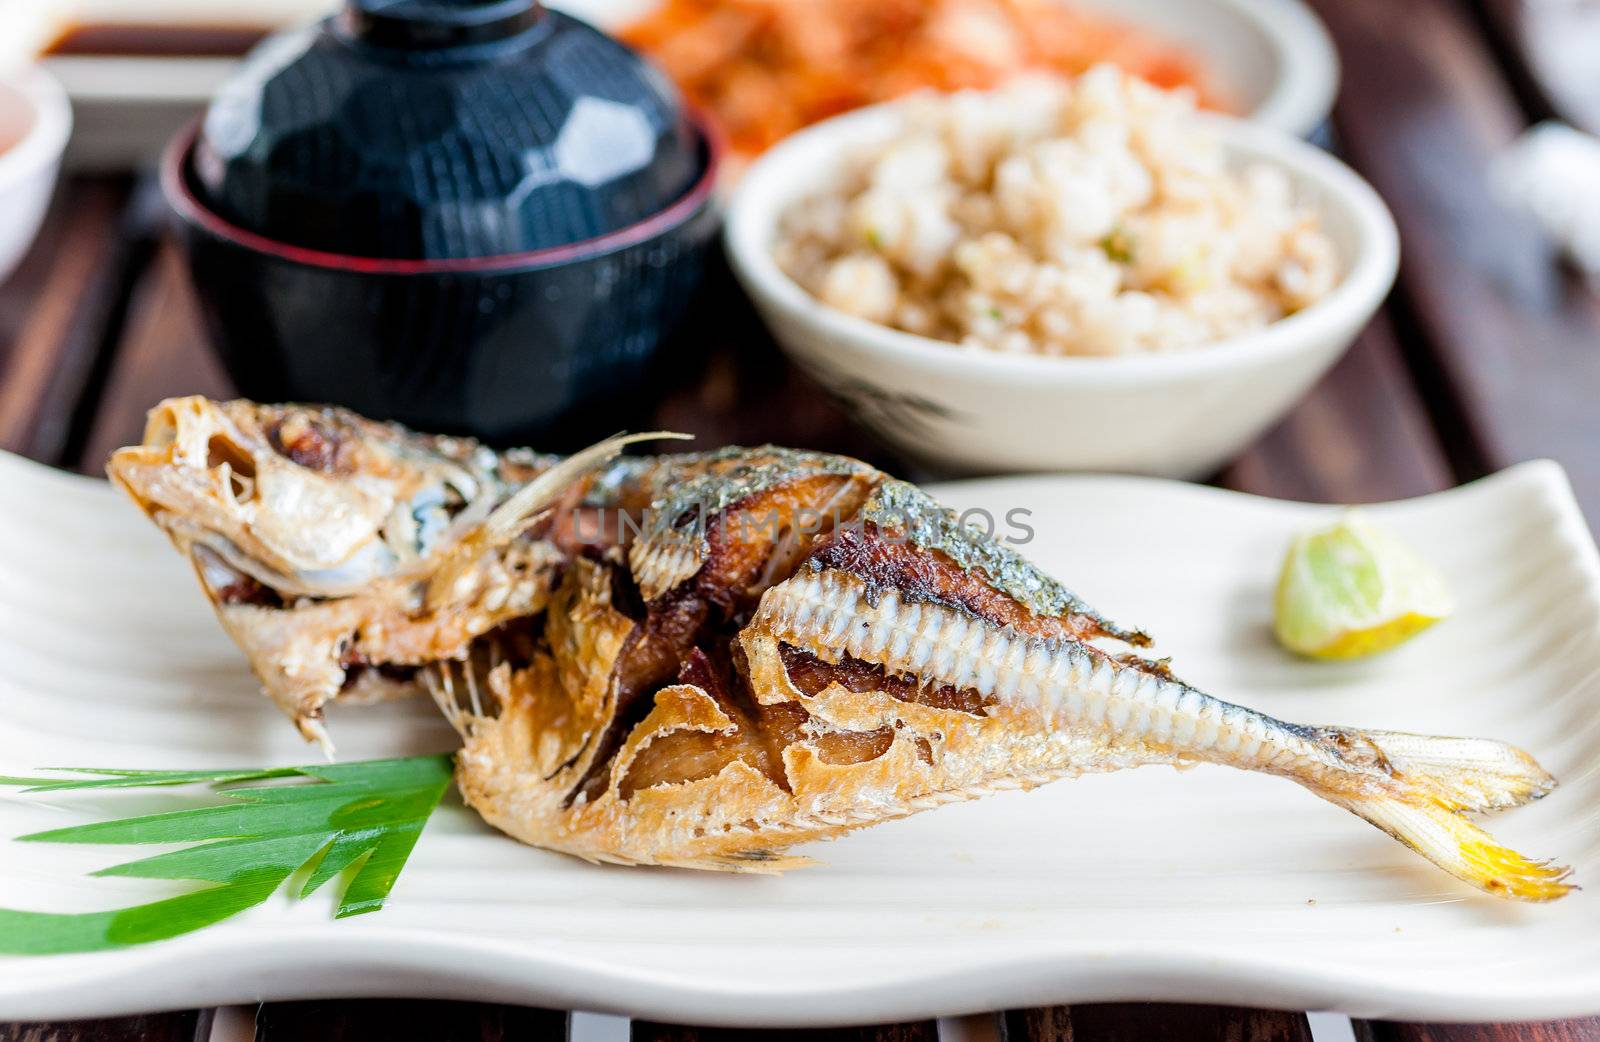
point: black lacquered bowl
(544, 347)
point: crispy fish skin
(738, 651)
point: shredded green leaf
(365, 816)
(1118, 245)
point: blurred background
(1485, 354)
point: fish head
(303, 500)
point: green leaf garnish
(366, 815)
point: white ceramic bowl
(1272, 57)
(35, 122)
(1180, 414)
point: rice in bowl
(1097, 216)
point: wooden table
(1488, 353)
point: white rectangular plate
(1208, 885)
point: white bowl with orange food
(766, 70)
(137, 71)
(35, 122)
(985, 311)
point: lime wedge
(1355, 590)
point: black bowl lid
(423, 129)
(430, 24)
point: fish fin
(1468, 774)
(507, 518)
(1443, 835)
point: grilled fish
(341, 554)
(704, 659)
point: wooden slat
(53, 315)
(157, 1027)
(921, 1031)
(163, 352)
(1504, 336)
(1361, 436)
(1153, 1022)
(1044, 1024)
(391, 1020)
(1541, 1031)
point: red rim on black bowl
(182, 198)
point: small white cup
(35, 122)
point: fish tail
(1444, 836)
(1430, 785)
(1468, 774)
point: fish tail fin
(1444, 836)
(1431, 784)
(1467, 774)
